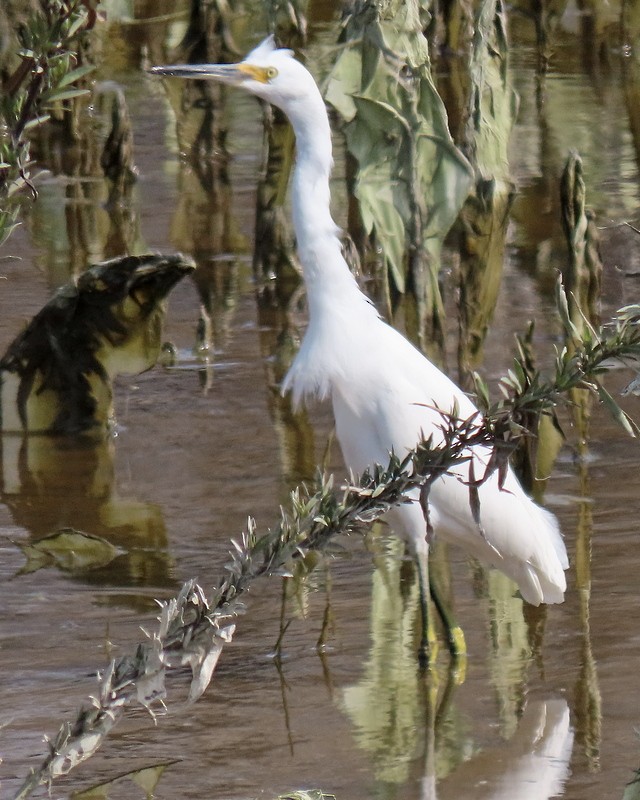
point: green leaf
(563, 309)
(75, 75)
(379, 214)
(36, 122)
(620, 416)
(481, 389)
(411, 180)
(77, 23)
(65, 94)
(345, 83)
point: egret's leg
(454, 633)
(277, 650)
(428, 640)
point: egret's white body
(384, 392)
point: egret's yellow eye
(261, 74)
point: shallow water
(548, 704)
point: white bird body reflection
(384, 392)
(533, 765)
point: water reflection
(56, 451)
(484, 88)
(53, 483)
(588, 701)
(407, 721)
(532, 765)
(396, 709)
(295, 433)
(408, 736)
(88, 209)
(203, 221)
(583, 276)
(204, 224)
(57, 375)
(145, 779)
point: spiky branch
(192, 629)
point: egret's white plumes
(384, 391)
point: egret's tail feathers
(520, 538)
(541, 578)
(536, 587)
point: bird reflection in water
(414, 730)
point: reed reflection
(582, 276)
(204, 223)
(409, 724)
(481, 106)
(88, 147)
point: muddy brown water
(549, 704)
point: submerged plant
(57, 374)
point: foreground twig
(193, 629)
(580, 364)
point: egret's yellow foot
(456, 641)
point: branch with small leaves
(193, 630)
(588, 355)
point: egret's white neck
(325, 271)
(338, 310)
(313, 166)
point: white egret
(384, 391)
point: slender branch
(192, 629)
(580, 364)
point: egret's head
(268, 72)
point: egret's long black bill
(225, 73)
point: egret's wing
(514, 534)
